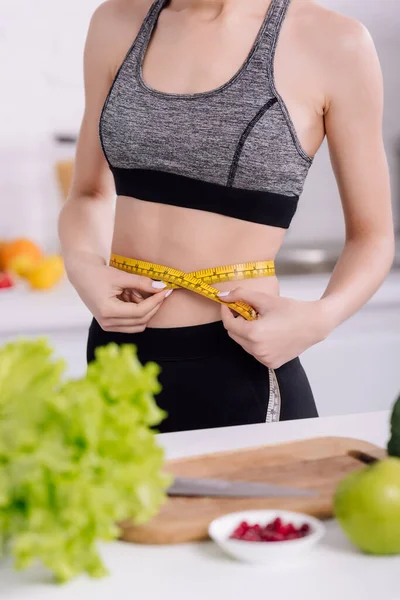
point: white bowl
(264, 552)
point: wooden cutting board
(317, 464)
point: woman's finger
(136, 296)
(111, 323)
(125, 280)
(130, 310)
(132, 296)
(260, 301)
(125, 296)
(236, 325)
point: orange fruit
(44, 274)
(21, 247)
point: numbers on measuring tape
(199, 281)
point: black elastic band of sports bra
(266, 208)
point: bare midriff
(190, 240)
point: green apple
(367, 506)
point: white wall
(41, 44)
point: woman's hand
(119, 301)
(284, 329)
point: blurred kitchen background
(41, 104)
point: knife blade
(193, 486)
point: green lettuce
(76, 457)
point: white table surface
(334, 571)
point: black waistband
(266, 208)
(171, 343)
(195, 341)
(177, 343)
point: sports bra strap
(148, 25)
(273, 24)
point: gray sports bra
(232, 150)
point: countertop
(22, 310)
(200, 571)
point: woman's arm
(87, 218)
(353, 121)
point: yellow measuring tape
(200, 281)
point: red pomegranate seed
(275, 531)
(283, 530)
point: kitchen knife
(187, 486)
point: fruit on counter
(76, 456)
(46, 273)
(276, 531)
(367, 502)
(21, 265)
(19, 255)
(6, 281)
(367, 506)
(24, 258)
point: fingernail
(223, 294)
(135, 293)
(158, 284)
(168, 293)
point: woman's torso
(202, 96)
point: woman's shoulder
(332, 49)
(114, 25)
(327, 33)
(121, 11)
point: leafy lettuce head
(76, 457)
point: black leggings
(208, 380)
